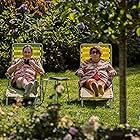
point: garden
(61, 27)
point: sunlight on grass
(109, 117)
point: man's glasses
(97, 52)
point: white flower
(60, 88)
(94, 121)
(66, 121)
(92, 126)
(68, 137)
(1, 112)
(135, 138)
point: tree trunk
(123, 66)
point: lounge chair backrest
(37, 50)
(106, 51)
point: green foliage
(133, 51)
(111, 16)
(44, 126)
(5, 17)
(14, 27)
(63, 27)
(48, 126)
(60, 38)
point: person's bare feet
(95, 89)
(101, 89)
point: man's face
(27, 53)
(95, 55)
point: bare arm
(80, 71)
(38, 67)
(16, 63)
(111, 71)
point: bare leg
(22, 83)
(30, 87)
(25, 83)
(19, 82)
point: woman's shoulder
(104, 61)
(37, 61)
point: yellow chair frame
(85, 94)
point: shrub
(51, 126)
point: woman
(25, 70)
(96, 74)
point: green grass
(109, 117)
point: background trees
(62, 26)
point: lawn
(109, 117)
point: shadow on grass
(133, 70)
(25, 102)
(89, 103)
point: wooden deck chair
(84, 93)
(11, 92)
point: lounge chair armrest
(8, 75)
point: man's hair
(27, 46)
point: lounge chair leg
(110, 103)
(82, 102)
(6, 100)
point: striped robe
(26, 71)
(90, 69)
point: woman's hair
(98, 48)
(27, 46)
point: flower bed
(50, 126)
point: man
(25, 70)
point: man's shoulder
(16, 60)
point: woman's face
(27, 53)
(95, 55)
